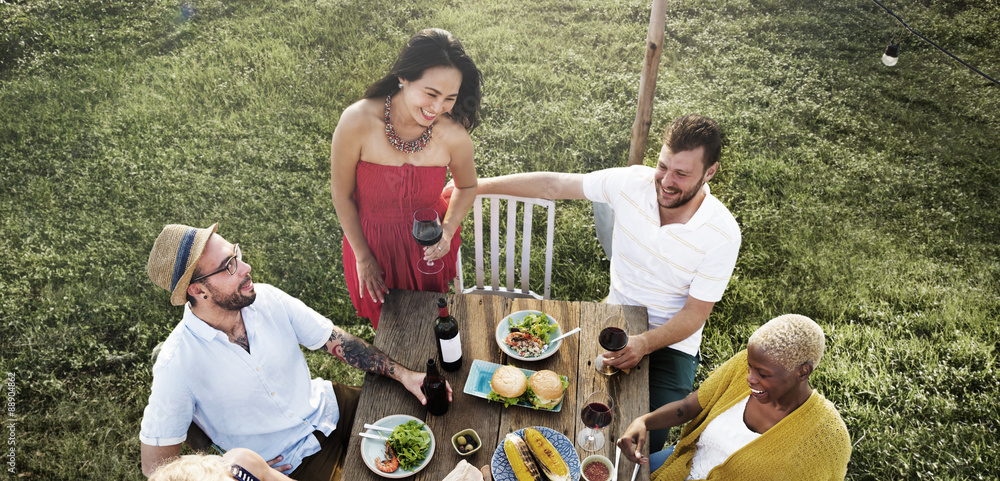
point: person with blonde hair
(240, 464)
(755, 417)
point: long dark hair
(433, 47)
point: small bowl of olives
(466, 442)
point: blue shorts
(658, 458)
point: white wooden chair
(510, 244)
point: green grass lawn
(867, 195)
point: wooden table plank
(562, 362)
(411, 344)
(406, 334)
(629, 390)
(467, 411)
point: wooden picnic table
(406, 334)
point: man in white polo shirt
(675, 247)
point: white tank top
(725, 435)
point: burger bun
(509, 382)
(548, 389)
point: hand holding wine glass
(614, 338)
(427, 232)
(596, 414)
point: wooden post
(647, 82)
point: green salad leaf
(535, 324)
(411, 442)
(507, 401)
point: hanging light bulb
(891, 55)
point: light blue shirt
(263, 400)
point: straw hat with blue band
(174, 257)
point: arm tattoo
(680, 412)
(360, 354)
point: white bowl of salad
(525, 335)
(413, 443)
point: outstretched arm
(546, 185)
(355, 351)
(667, 416)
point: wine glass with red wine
(596, 414)
(614, 337)
(427, 232)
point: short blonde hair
(791, 340)
(194, 467)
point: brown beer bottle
(435, 389)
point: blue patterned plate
(478, 383)
(501, 467)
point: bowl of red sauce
(596, 468)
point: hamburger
(547, 389)
(507, 385)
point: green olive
(468, 447)
(460, 440)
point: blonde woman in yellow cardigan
(754, 418)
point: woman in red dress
(390, 156)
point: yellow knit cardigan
(811, 443)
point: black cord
(991, 79)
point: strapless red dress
(386, 197)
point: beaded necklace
(400, 144)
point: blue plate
(503, 330)
(502, 471)
(371, 448)
(480, 375)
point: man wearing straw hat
(233, 364)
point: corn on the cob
(519, 456)
(552, 464)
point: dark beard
(234, 301)
(684, 200)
